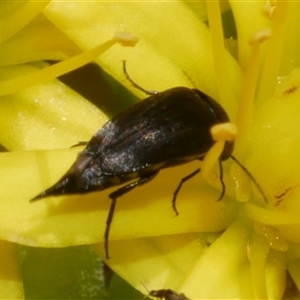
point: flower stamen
(248, 92)
(273, 55)
(218, 49)
(15, 85)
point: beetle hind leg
(114, 196)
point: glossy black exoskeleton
(164, 130)
(167, 295)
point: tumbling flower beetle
(165, 130)
(167, 295)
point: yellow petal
(39, 40)
(276, 275)
(11, 286)
(249, 20)
(294, 269)
(73, 220)
(50, 115)
(164, 54)
(223, 265)
(162, 261)
(15, 17)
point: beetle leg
(81, 143)
(114, 196)
(183, 180)
(221, 180)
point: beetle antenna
(147, 92)
(190, 79)
(251, 177)
(146, 290)
(222, 181)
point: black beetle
(164, 130)
(167, 295)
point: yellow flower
(237, 248)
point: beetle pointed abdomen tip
(67, 185)
(55, 190)
(39, 197)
